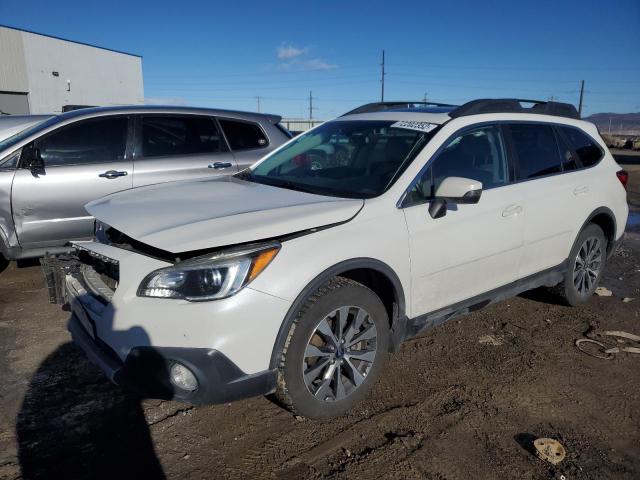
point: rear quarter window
(589, 152)
(243, 135)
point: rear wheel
(336, 349)
(586, 265)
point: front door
(474, 248)
(83, 161)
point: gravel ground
(465, 400)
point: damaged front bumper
(86, 281)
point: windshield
(355, 159)
(17, 137)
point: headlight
(209, 277)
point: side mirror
(454, 190)
(32, 159)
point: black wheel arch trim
(598, 211)
(398, 322)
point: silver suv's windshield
(354, 159)
(17, 137)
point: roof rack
(382, 106)
(514, 105)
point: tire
(339, 376)
(574, 291)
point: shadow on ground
(75, 424)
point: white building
(41, 74)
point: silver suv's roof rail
(382, 106)
(514, 105)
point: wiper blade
(245, 174)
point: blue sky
(225, 54)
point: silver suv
(49, 171)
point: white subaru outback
(300, 274)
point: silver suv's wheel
(335, 350)
(586, 265)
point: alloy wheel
(587, 265)
(340, 353)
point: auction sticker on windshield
(425, 127)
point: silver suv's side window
(243, 135)
(100, 140)
(478, 154)
(171, 135)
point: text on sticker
(419, 126)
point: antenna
(382, 78)
(581, 97)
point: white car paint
(215, 212)
(513, 231)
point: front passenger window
(477, 154)
(85, 142)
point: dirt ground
(463, 401)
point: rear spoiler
(274, 119)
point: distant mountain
(624, 123)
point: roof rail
(514, 105)
(382, 106)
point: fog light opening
(183, 378)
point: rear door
(247, 140)
(475, 248)
(173, 147)
(83, 161)
(549, 201)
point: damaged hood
(209, 213)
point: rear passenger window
(569, 158)
(588, 151)
(243, 135)
(180, 135)
(537, 150)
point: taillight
(623, 176)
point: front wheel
(586, 266)
(335, 350)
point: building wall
(86, 75)
(13, 71)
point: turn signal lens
(260, 262)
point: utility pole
(581, 97)
(609, 124)
(382, 78)
(258, 99)
(310, 106)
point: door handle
(581, 190)
(512, 210)
(110, 174)
(220, 165)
